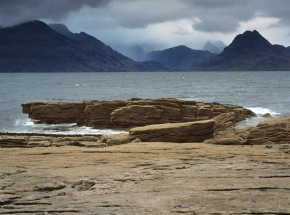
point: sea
(262, 92)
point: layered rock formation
(44, 140)
(176, 132)
(269, 132)
(275, 130)
(130, 113)
(163, 120)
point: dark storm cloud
(223, 16)
(16, 11)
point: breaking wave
(253, 121)
(261, 111)
(26, 125)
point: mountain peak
(250, 40)
(211, 48)
(62, 29)
(250, 51)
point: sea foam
(253, 121)
(26, 125)
(261, 111)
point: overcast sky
(158, 24)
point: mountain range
(37, 47)
(181, 57)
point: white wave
(249, 122)
(26, 125)
(253, 121)
(261, 111)
(77, 85)
(23, 122)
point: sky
(157, 24)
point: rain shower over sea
(262, 92)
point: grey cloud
(222, 16)
(141, 13)
(226, 15)
(217, 24)
(15, 11)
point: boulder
(276, 130)
(175, 132)
(267, 115)
(117, 139)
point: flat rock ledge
(145, 178)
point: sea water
(262, 92)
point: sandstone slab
(175, 132)
(275, 130)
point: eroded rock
(175, 132)
(130, 113)
(276, 130)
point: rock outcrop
(276, 130)
(44, 140)
(270, 131)
(130, 113)
(176, 132)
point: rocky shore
(178, 157)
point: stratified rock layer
(176, 132)
(275, 130)
(130, 113)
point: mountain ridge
(181, 57)
(35, 47)
(249, 51)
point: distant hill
(214, 47)
(35, 47)
(181, 57)
(219, 44)
(211, 48)
(135, 52)
(250, 52)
